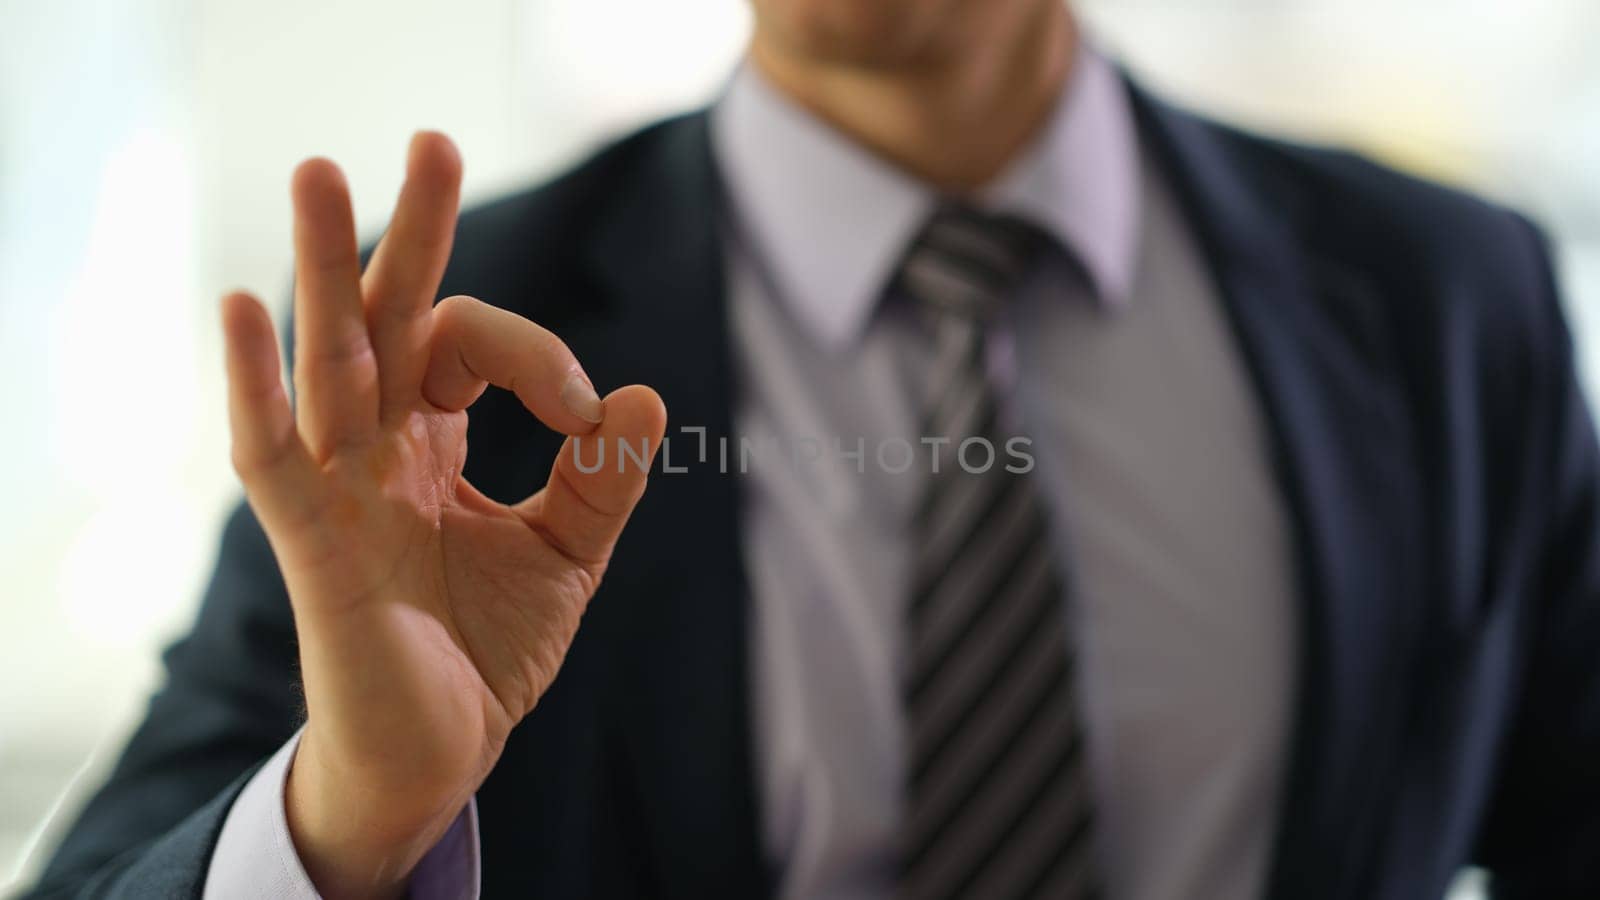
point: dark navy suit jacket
(1429, 437)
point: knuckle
(350, 348)
(243, 466)
(250, 467)
(451, 309)
(257, 464)
(557, 349)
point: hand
(430, 618)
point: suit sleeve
(231, 698)
(255, 855)
(1542, 837)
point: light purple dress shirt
(1151, 451)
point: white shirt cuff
(255, 857)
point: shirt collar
(830, 220)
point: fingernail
(580, 398)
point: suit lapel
(680, 702)
(1341, 449)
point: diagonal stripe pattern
(998, 803)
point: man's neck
(955, 124)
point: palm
(430, 617)
(441, 581)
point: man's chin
(883, 34)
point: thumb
(598, 477)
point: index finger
(475, 345)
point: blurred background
(144, 153)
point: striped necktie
(998, 803)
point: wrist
(355, 840)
